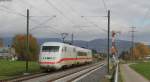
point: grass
(14, 68)
(142, 68)
(121, 79)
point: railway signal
(114, 50)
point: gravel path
(129, 75)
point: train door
(64, 54)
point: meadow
(10, 69)
(142, 68)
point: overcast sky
(85, 18)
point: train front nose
(48, 60)
(49, 56)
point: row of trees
(139, 52)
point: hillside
(97, 44)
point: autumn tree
(19, 44)
(136, 54)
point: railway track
(59, 76)
(77, 75)
(25, 77)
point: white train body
(56, 55)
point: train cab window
(50, 48)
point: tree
(19, 44)
(143, 49)
(125, 55)
(136, 54)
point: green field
(142, 68)
(14, 68)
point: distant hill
(96, 44)
(101, 45)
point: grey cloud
(124, 13)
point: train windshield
(50, 48)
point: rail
(116, 73)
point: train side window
(62, 49)
(74, 50)
(65, 49)
(82, 53)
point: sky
(86, 19)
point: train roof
(52, 43)
(60, 44)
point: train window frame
(65, 49)
(74, 49)
(50, 48)
(79, 53)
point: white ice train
(57, 55)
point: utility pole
(132, 38)
(27, 41)
(108, 46)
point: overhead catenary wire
(62, 13)
(17, 13)
(31, 16)
(59, 11)
(42, 25)
(35, 9)
(20, 14)
(104, 30)
(32, 6)
(105, 6)
(81, 16)
(44, 22)
(48, 27)
(145, 16)
(7, 10)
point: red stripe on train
(63, 59)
